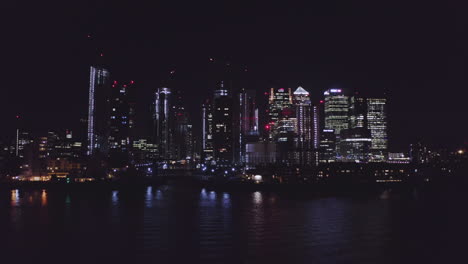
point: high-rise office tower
(336, 110)
(357, 112)
(23, 139)
(327, 151)
(318, 124)
(304, 126)
(279, 100)
(207, 131)
(247, 129)
(182, 134)
(248, 120)
(222, 125)
(121, 123)
(355, 141)
(162, 122)
(377, 124)
(98, 110)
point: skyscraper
(222, 125)
(304, 126)
(121, 123)
(98, 110)
(358, 112)
(207, 131)
(247, 129)
(162, 122)
(327, 151)
(377, 124)
(279, 100)
(355, 141)
(336, 112)
(182, 133)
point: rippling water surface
(179, 223)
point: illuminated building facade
(355, 145)
(121, 123)
(279, 100)
(162, 132)
(304, 126)
(247, 130)
(182, 130)
(358, 112)
(207, 131)
(327, 150)
(98, 110)
(222, 125)
(144, 151)
(336, 110)
(377, 124)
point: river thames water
(180, 223)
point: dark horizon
(416, 53)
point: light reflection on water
(15, 200)
(188, 224)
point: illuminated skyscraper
(222, 125)
(336, 110)
(279, 100)
(336, 113)
(327, 151)
(247, 129)
(358, 112)
(162, 122)
(121, 123)
(355, 141)
(304, 126)
(207, 131)
(98, 110)
(377, 124)
(182, 131)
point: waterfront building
(222, 125)
(162, 122)
(207, 131)
(98, 110)
(327, 149)
(304, 140)
(279, 100)
(377, 124)
(121, 123)
(247, 129)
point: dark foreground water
(180, 223)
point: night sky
(415, 52)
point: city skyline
(295, 55)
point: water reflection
(215, 227)
(44, 197)
(115, 197)
(257, 198)
(149, 196)
(15, 199)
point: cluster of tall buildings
(111, 136)
(340, 128)
(236, 129)
(353, 128)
